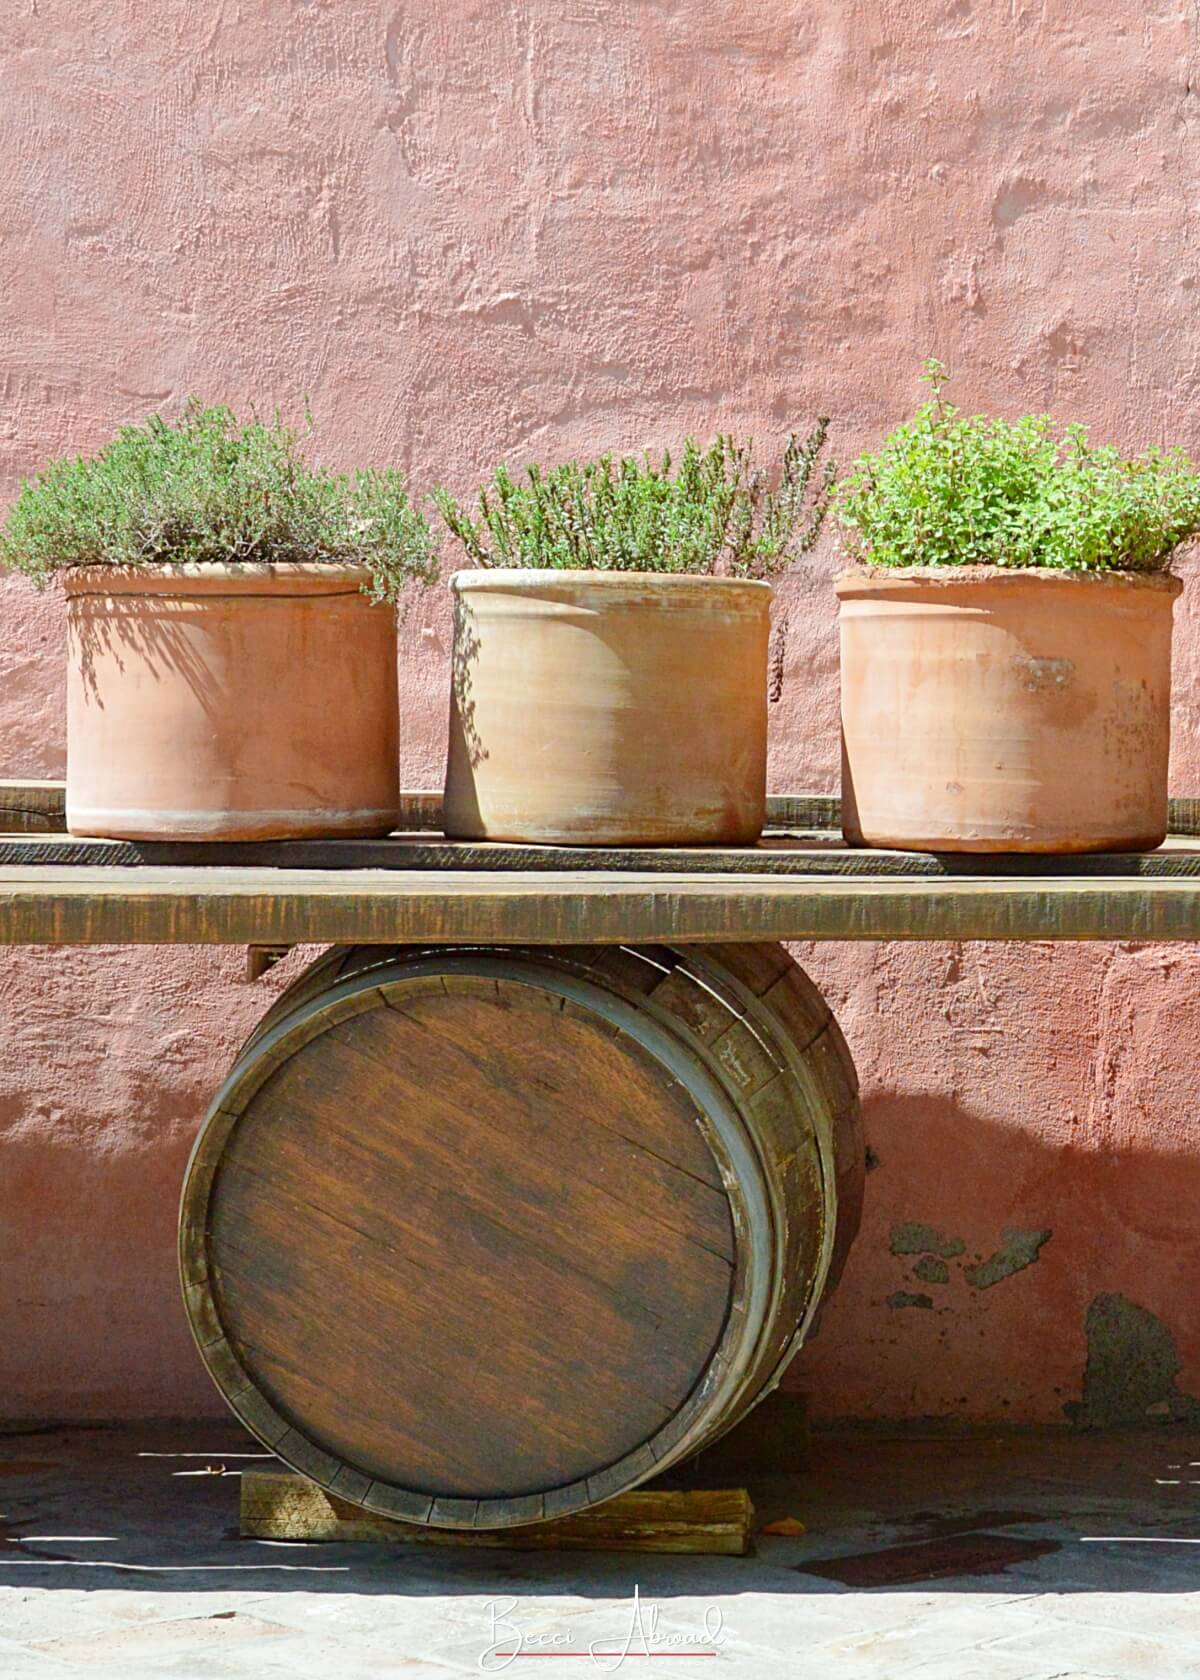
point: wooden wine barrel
(477, 1237)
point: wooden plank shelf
(32, 807)
(41, 807)
(812, 853)
(207, 904)
(797, 884)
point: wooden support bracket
(259, 958)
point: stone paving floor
(119, 1557)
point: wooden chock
(280, 1505)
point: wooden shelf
(208, 904)
(41, 807)
(419, 887)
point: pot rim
(878, 579)
(524, 578)
(216, 577)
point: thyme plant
(948, 489)
(206, 488)
(714, 510)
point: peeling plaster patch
(923, 1239)
(1017, 1250)
(1132, 1364)
(1040, 676)
(904, 1298)
(931, 1270)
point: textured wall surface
(517, 230)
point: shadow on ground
(1075, 1554)
(155, 1509)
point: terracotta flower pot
(607, 708)
(239, 702)
(986, 710)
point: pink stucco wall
(501, 229)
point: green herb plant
(948, 489)
(714, 510)
(207, 488)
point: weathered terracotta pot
(607, 708)
(239, 702)
(986, 710)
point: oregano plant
(950, 489)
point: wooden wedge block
(280, 1505)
